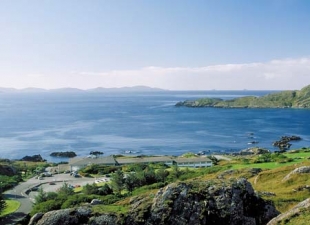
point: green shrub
(76, 200)
(46, 206)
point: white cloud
(276, 74)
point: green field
(297, 156)
(11, 206)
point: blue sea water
(41, 123)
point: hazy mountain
(76, 90)
(126, 89)
(7, 90)
(31, 90)
(66, 90)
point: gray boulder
(303, 169)
(294, 212)
(63, 217)
(205, 203)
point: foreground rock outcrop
(299, 170)
(210, 202)
(63, 217)
(298, 210)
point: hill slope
(284, 99)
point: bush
(76, 200)
(110, 199)
(46, 206)
(105, 190)
(98, 169)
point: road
(21, 193)
(221, 157)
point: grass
(11, 206)
(286, 193)
(78, 189)
(302, 218)
(299, 157)
(117, 209)
(267, 165)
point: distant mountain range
(283, 99)
(76, 90)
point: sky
(169, 44)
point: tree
(131, 182)
(150, 176)
(214, 160)
(65, 190)
(161, 175)
(90, 189)
(117, 181)
(2, 203)
(41, 196)
(175, 172)
(105, 190)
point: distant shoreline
(283, 99)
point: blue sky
(178, 45)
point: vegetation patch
(11, 206)
(115, 209)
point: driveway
(22, 194)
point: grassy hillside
(266, 178)
(265, 172)
(284, 99)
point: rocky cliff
(194, 203)
(284, 99)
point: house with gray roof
(193, 162)
(79, 163)
(168, 160)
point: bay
(148, 123)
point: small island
(283, 99)
(67, 154)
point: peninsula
(283, 99)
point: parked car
(34, 189)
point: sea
(137, 123)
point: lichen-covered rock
(64, 217)
(96, 202)
(210, 203)
(294, 212)
(104, 220)
(231, 202)
(303, 169)
(35, 218)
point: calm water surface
(145, 122)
